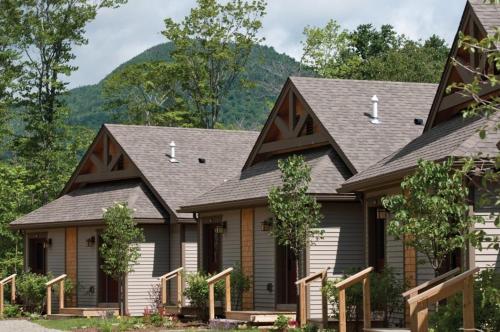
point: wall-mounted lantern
(381, 214)
(91, 241)
(266, 225)
(47, 243)
(220, 229)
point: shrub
(240, 283)
(31, 290)
(197, 292)
(12, 311)
(486, 306)
(281, 323)
(155, 296)
(385, 295)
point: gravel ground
(19, 325)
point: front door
(212, 241)
(286, 276)
(107, 286)
(37, 256)
(376, 239)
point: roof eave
(90, 222)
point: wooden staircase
(84, 312)
(258, 317)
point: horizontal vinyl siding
(87, 268)
(425, 272)
(190, 248)
(231, 253)
(395, 260)
(264, 263)
(175, 259)
(152, 264)
(488, 258)
(56, 259)
(341, 249)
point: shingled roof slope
(224, 152)
(87, 204)
(457, 137)
(344, 106)
(327, 173)
(487, 13)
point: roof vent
(375, 119)
(172, 152)
(202, 160)
(418, 121)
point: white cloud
(117, 35)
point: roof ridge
(358, 80)
(108, 125)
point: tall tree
(368, 53)
(212, 46)
(296, 214)
(147, 94)
(119, 247)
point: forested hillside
(245, 107)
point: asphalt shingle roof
(327, 173)
(87, 204)
(224, 152)
(457, 137)
(343, 107)
(487, 13)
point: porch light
(91, 241)
(47, 243)
(220, 229)
(381, 213)
(266, 225)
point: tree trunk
(121, 295)
(300, 274)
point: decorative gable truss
(104, 161)
(449, 104)
(292, 126)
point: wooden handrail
(49, 284)
(414, 291)
(163, 281)
(302, 285)
(363, 277)
(419, 304)
(3, 282)
(226, 274)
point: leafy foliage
(31, 289)
(240, 283)
(119, 247)
(197, 292)
(433, 211)
(212, 46)
(296, 214)
(368, 54)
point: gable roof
(86, 204)
(343, 107)
(148, 148)
(457, 137)
(254, 182)
(487, 13)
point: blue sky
(117, 35)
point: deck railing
(364, 278)
(12, 280)
(302, 285)
(226, 274)
(419, 304)
(177, 273)
(49, 285)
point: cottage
(137, 165)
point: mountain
(245, 107)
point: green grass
(79, 323)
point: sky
(116, 35)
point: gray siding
(425, 272)
(175, 258)
(87, 268)
(264, 263)
(231, 239)
(395, 260)
(341, 249)
(488, 258)
(190, 250)
(56, 259)
(152, 264)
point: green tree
(432, 213)
(147, 94)
(212, 46)
(368, 53)
(296, 214)
(119, 248)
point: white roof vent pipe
(172, 153)
(375, 119)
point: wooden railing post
(49, 284)
(211, 301)
(61, 294)
(3, 282)
(468, 303)
(1, 300)
(177, 273)
(342, 311)
(228, 292)
(163, 291)
(367, 318)
(13, 290)
(226, 275)
(324, 299)
(49, 300)
(179, 291)
(302, 287)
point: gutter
(91, 222)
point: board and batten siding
(175, 259)
(231, 239)
(56, 259)
(341, 248)
(87, 268)
(152, 264)
(264, 263)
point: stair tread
(384, 329)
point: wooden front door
(107, 286)
(376, 239)
(286, 268)
(212, 248)
(37, 256)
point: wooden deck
(84, 312)
(258, 317)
